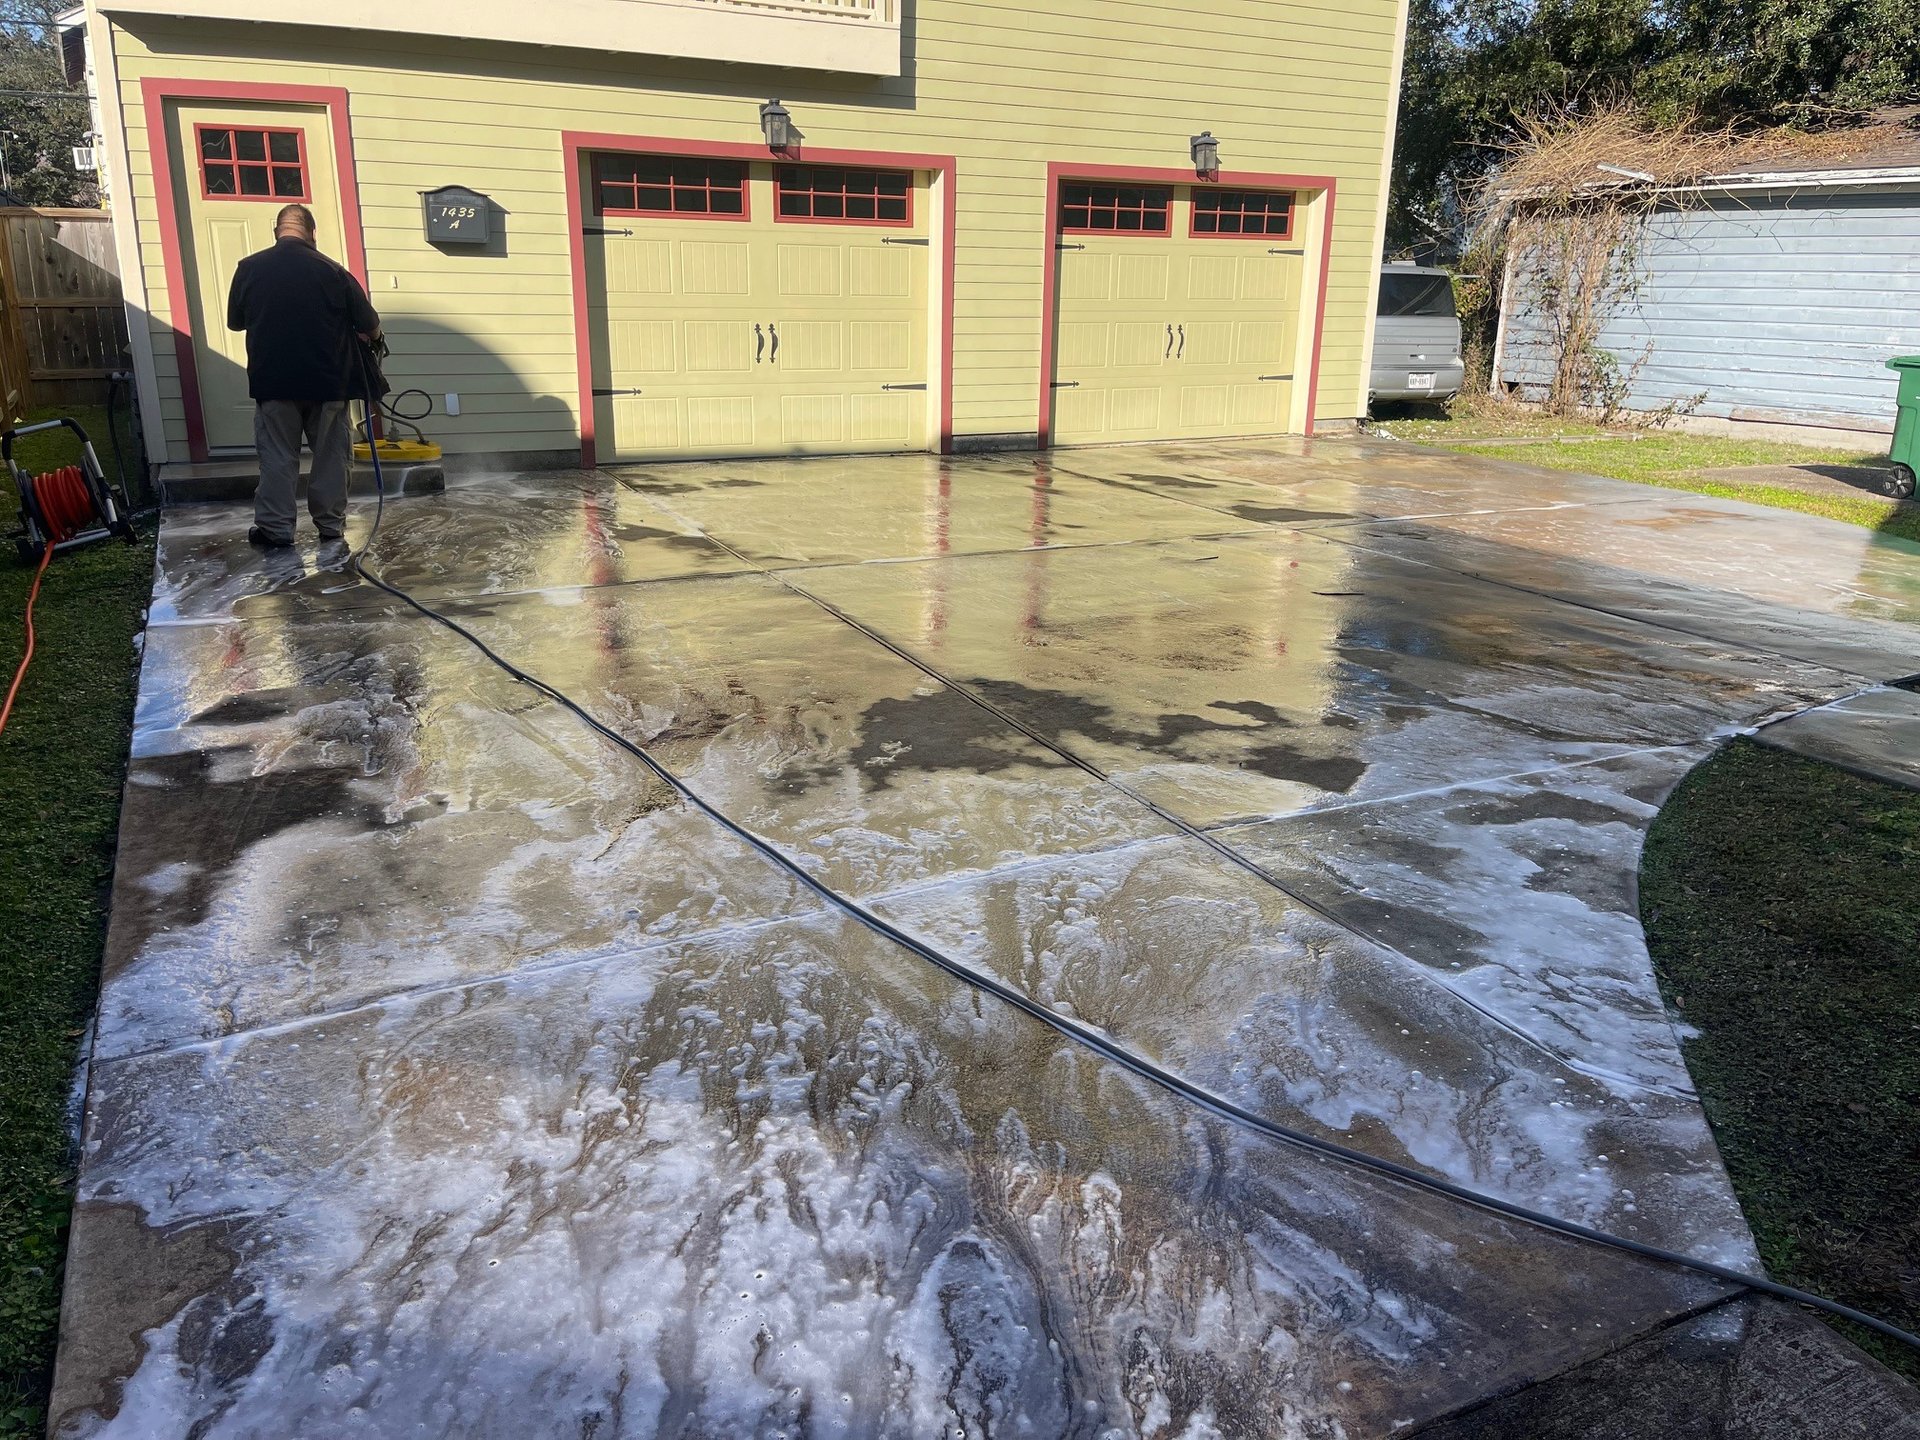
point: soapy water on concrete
(777, 1178)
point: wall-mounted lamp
(777, 125)
(1206, 155)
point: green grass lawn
(1476, 419)
(62, 758)
(1670, 459)
(1783, 912)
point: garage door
(743, 308)
(1178, 312)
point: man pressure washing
(306, 318)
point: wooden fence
(63, 328)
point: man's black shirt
(302, 313)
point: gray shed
(1777, 295)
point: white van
(1416, 337)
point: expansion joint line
(1187, 828)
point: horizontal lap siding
(1785, 306)
(1004, 87)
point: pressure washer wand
(379, 481)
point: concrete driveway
(454, 1078)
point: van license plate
(1422, 381)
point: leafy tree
(1475, 68)
(1788, 60)
(39, 133)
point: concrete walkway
(1875, 733)
(1840, 482)
(453, 1078)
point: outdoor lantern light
(777, 125)
(1206, 155)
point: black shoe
(259, 537)
(333, 535)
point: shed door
(234, 166)
(1178, 313)
(755, 309)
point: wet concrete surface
(1875, 733)
(1828, 593)
(499, 534)
(454, 1076)
(1518, 894)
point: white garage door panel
(718, 346)
(1203, 407)
(713, 268)
(880, 345)
(643, 268)
(1260, 409)
(885, 421)
(810, 269)
(812, 347)
(1082, 345)
(882, 271)
(645, 345)
(722, 421)
(813, 419)
(1142, 277)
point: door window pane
(251, 164)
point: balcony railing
(858, 37)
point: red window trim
(1163, 233)
(782, 218)
(305, 197)
(593, 177)
(1193, 209)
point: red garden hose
(64, 506)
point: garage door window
(251, 164)
(1243, 212)
(669, 186)
(838, 195)
(1114, 209)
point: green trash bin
(1905, 452)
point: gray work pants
(277, 428)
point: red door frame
(1058, 170)
(575, 143)
(154, 95)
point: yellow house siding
(1003, 87)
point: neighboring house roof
(1889, 157)
(1623, 160)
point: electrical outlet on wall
(453, 403)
